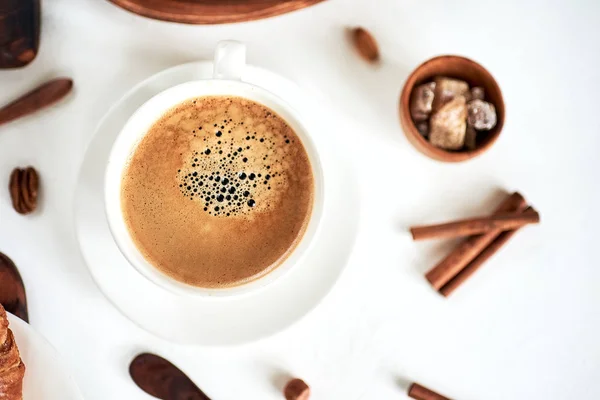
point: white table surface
(526, 327)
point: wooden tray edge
(211, 15)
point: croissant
(12, 369)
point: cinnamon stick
(418, 392)
(452, 264)
(474, 226)
(41, 97)
(474, 265)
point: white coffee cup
(229, 64)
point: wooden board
(212, 11)
(19, 32)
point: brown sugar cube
(482, 115)
(421, 101)
(296, 389)
(477, 93)
(446, 89)
(470, 138)
(448, 125)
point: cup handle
(230, 60)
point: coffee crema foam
(218, 193)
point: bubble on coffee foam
(235, 170)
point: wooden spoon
(159, 378)
(44, 96)
(12, 290)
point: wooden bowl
(212, 11)
(453, 67)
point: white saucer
(221, 321)
(44, 376)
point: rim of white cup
(134, 131)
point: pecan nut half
(24, 187)
(365, 44)
(296, 389)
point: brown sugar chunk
(477, 93)
(423, 128)
(448, 125)
(421, 101)
(470, 138)
(446, 89)
(481, 115)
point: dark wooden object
(44, 96)
(460, 68)
(19, 32)
(160, 378)
(212, 11)
(12, 290)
